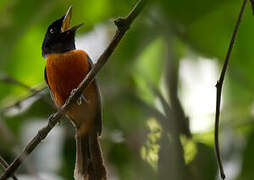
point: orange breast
(64, 73)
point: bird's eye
(51, 30)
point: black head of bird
(59, 37)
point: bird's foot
(82, 97)
(79, 102)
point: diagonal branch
(123, 24)
(5, 165)
(219, 90)
(13, 146)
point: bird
(65, 68)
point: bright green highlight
(190, 149)
(150, 150)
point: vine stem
(219, 90)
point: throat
(59, 48)
(63, 47)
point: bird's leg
(79, 102)
(82, 97)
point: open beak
(67, 22)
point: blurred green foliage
(141, 139)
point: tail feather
(89, 160)
(96, 156)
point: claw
(79, 102)
(84, 98)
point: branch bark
(123, 24)
(5, 165)
(219, 90)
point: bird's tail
(89, 159)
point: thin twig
(5, 130)
(19, 102)
(5, 165)
(8, 79)
(219, 90)
(123, 25)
